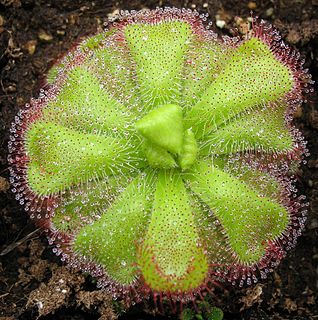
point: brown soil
(33, 282)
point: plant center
(166, 143)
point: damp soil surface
(33, 282)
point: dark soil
(33, 282)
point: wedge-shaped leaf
(83, 104)
(258, 130)
(91, 43)
(204, 62)
(252, 77)
(262, 182)
(81, 205)
(62, 157)
(159, 53)
(112, 240)
(211, 234)
(249, 220)
(171, 257)
(114, 68)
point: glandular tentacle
(264, 130)
(250, 220)
(112, 241)
(247, 80)
(60, 157)
(171, 258)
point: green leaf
(62, 157)
(97, 41)
(84, 105)
(253, 76)
(188, 314)
(114, 68)
(163, 127)
(210, 233)
(79, 206)
(262, 182)
(215, 314)
(112, 240)
(91, 43)
(159, 53)
(189, 151)
(258, 130)
(204, 62)
(171, 258)
(158, 157)
(249, 220)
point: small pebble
(313, 163)
(220, 23)
(313, 224)
(84, 8)
(20, 101)
(252, 5)
(294, 37)
(269, 12)
(113, 14)
(11, 88)
(242, 25)
(30, 46)
(313, 118)
(44, 36)
(38, 64)
(205, 5)
(1, 21)
(4, 184)
(72, 19)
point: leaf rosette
(161, 157)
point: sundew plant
(160, 157)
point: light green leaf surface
(112, 240)
(159, 52)
(258, 130)
(83, 104)
(252, 77)
(62, 157)
(171, 258)
(249, 220)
